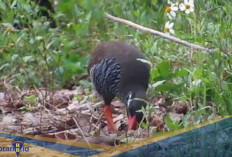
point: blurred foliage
(36, 55)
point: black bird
(45, 9)
(48, 7)
(116, 69)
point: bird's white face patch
(129, 98)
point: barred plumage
(116, 69)
(106, 76)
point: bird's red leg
(132, 123)
(109, 118)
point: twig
(159, 34)
(99, 119)
(83, 135)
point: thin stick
(159, 34)
(83, 135)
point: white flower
(169, 27)
(187, 6)
(55, 2)
(171, 10)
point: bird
(46, 9)
(118, 69)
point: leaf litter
(76, 115)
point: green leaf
(164, 69)
(144, 125)
(2, 5)
(30, 98)
(167, 87)
(181, 73)
(158, 83)
(28, 58)
(197, 74)
(154, 74)
(25, 108)
(4, 66)
(172, 125)
(14, 57)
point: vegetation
(38, 56)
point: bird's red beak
(132, 123)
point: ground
(78, 114)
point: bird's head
(134, 102)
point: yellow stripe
(158, 137)
(108, 150)
(66, 142)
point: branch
(159, 34)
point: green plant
(37, 55)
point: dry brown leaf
(180, 107)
